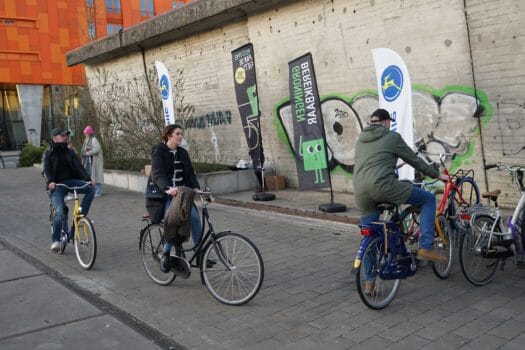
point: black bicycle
(230, 264)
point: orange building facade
(34, 38)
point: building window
(113, 28)
(113, 6)
(146, 8)
(90, 3)
(178, 4)
(92, 30)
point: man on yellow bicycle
(62, 165)
(375, 181)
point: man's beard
(60, 147)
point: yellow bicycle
(81, 232)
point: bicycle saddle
(386, 207)
(492, 195)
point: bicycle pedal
(180, 267)
(422, 263)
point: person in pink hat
(92, 159)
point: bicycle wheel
(522, 228)
(466, 195)
(86, 243)
(64, 234)
(376, 293)
(238, 273)
(444, 246)
(477, 269)
(409, 221)
(151, 244)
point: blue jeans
(57, 200)
(196, 225)
(426, 201)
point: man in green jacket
(375, 181)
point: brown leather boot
(431, 254)
(369, 288)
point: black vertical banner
(246, 92)
(308, 127)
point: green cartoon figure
(314, 157)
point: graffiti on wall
(444, 120)
(511, 122)
(209, 119)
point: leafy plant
(126, 164)
(138, 164)
(30, 155)
(129, 110)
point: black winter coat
(67, 158)
(162, 169)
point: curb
(289, 211)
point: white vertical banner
(166, 93)
(395, 95)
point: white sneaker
(55, 247)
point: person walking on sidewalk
(171, 167)
(375, 181)
(93, 159)
(62, 165)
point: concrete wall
(460, 54)
(220, 182)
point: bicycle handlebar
(74, 188)
(206, 194)
(502, 166)
(202, 192)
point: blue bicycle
(388, 254)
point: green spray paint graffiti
(445, 120)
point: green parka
(375, 181)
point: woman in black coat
(171, 167)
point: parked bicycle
(489, 242)
(82, 231)
(388, 253)
(459, 194)
(230, 265)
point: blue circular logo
(164, 87)
(391, 83)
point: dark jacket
(178, 217)
(375, 181)
(162, 171)
(163, 167)
(62, 163)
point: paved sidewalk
(308, 299)
(298, 203)
(39, 312)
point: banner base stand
(332, 207)
(263, 196)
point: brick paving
(308, 299)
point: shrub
(126, 164)
(138, 165)
(30, 155)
